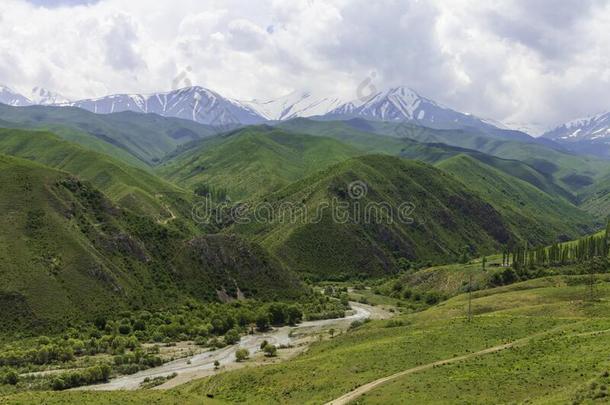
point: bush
(232, 337)
(262, 320)
(11, 377)
(270, 350)
(90, 375)
(242, 354)
(355, 324)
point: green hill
(440, 217)
(68, 253)
(133, 188)
(536, 342)
(425, 148)
(126, 135)
(253, 161)
(533, 215)
(571, 171)
(596, 198)
(344, 132)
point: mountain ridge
(202, 105)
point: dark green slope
(127, 135)
(66, 252)
(368, 142)
(437, 153)
(254, 161)
(446, 217)
(533, 215)
(425, 147)
(571, 171)
(133, 188)
(595, 198)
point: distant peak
(403, 91)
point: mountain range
(398, 104)
(395, 105)
(590, 135)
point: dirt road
(352, 395)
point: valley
(345, 260)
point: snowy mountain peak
(43, 96)
(593, 128)
(397, 104)
(193, 103)
(10, 97)
(294, 104)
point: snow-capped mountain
(595, 128)
(399, 104)
(535, 129)
(42, 96)
(589, 135)
(405, 104)
(193, 103)
(8, 96)
(293, 105)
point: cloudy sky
(519, 61)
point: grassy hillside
(254, 161)
(440, 218)
(559, 346)
(132, 188)
(427, 149)
(68, 253)
(146, 137)
(533, 215)
(344, 132)
(596, 198)
(556, 348)
(571, 171)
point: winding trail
(363, 389)
(352, 395)
(196, 366)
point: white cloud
(515, 60)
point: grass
(133, 188)
(130, 136)
(444, 212)
(547, 366)
(534, 216)
(108, 398)
(68, 253)
(571, 172)
(254, 161)
(333, 368)
(560, 339)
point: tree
(277, 313)
(11, 377)
(242, 354)
(294, 314)
(262, 320)
(270, 350)
(232, 337)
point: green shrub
(242, 354)
(270, 350)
